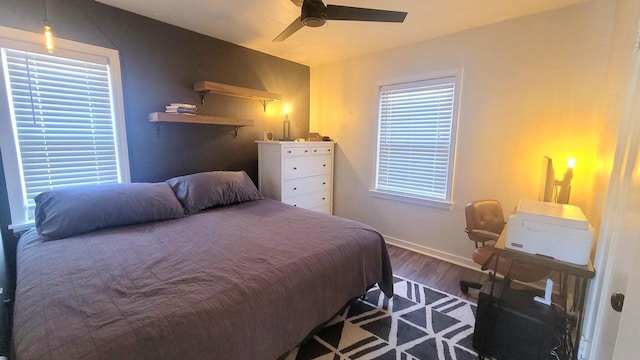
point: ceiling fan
(315, 13)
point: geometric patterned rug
(418, 323)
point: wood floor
(433, 272)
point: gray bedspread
(248, 281)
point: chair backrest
(485, 215)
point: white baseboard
(451, 258)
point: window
(63, 126)
(416, 139)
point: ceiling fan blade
(290, 30)
(337, 12)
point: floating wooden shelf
(198, 119)
(205, 87)
(159, 117)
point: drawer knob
(306, 151)
(324, 165)
(324, 183)
(295, 168)
(316, 150)
(323, 198)
(295, 188)
(295, 205)
(289, 152)
(328, 150)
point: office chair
(485, 222)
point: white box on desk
(550, 229)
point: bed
(243, 279)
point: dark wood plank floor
(433, 272)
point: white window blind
(416, 138)
(63, 121)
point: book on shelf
(168, 107)
(182, 105)
(180, 108)
(181, 111)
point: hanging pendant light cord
(46, 18)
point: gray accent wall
(159, 64)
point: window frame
(446, 203)
(33, 42)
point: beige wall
(614, 96)
(530, 87)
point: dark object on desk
(485, 222)
(516, 327)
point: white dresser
(297, 173)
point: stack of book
(179, 108)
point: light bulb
(48, 38)
(286, 109)
(571, 163)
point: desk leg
(493, 277)
(507, 277)
(579, 298)
(567, 337)
(564, 283)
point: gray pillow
(216, 188)
(75, 210)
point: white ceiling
(255, 23)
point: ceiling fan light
(313, 21)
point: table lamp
(565, 183)
(286, 125)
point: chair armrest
(484, 235)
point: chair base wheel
(465, 285)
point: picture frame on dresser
(297, 173)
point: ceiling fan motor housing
(314, 13)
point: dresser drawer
(306, 185)
(308, 201)
(296, 167)
(311, 149)
(321, 150)
(297, 150)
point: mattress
(247, 281)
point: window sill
(412, 200)
(22, 227)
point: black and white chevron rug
(418, 323)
